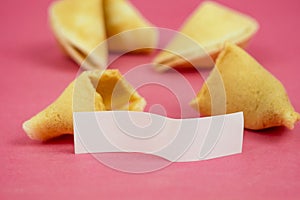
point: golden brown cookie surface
(91, 91)
(249, 88)
(210, 26)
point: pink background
(34, 72)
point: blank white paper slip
(177, 140)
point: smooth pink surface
(34, 72)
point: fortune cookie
(249, 88)
(79, 28)
(130, 30)
(204, 34)
(91, 91)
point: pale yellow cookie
(209, 27)
(249, 88)
(122, 17)
(91, 91)
(79, 28)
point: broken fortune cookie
(79, 28)
(91, 91)
(206, 31)
(249, 88)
